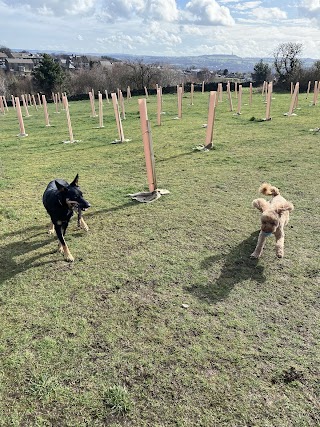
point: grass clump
(117, 399)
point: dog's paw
(69, 257)
(254, 255)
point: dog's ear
(286, 206)
(261, 204)
(60, 187)
(75, 182)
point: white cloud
(310, 5)
(209, 12)
(158, 34)
(269, 13)
(247, 5)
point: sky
(161, 27)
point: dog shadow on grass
(24, 249)
(23, 254)
(237, 267)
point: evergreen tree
(48, 75)
(262, 72)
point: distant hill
(232, 63)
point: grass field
(163, 319)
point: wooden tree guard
(118, 119)
(93, 108)
(203, 87)
(147, 145)
(239, 100)
(220, 92)
(56, 103)
(128, 93)
(100, 110)
(34, 102)
(293, 102)
(315, 93)
(308, 90)
(264, 88)
(191, 93)
(13, 103)
(45, 110)
(59, 100)
(154, 193)
(25, 105)
(107, 97)
(123, 110)
(39, 99)
(229, 96)
(1, 105)
(20, 119)
(269, 96)
(159, 106)
(250, 94)
(291, 88)
(5, 103)
(179, 102)
(211, 117)
(146, 92)
(236, 89)
(66, 107)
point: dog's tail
(268, 189)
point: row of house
(23, 63)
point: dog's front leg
(83, 224)
(260, 245)
(63, 247)
(279, 235)
(51, 228)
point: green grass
(106, 340)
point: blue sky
(161, 27)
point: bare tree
(286, 61)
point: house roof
(19, 61)
(3, 55)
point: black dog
(60, 200)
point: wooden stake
(147, 145)
(159, 106)
(211, 117)
(34, 102)
(1, 105)
(100, 110)
(269, 96)
(239, 100)
(191, 93)
(45, 109)
(117, 117)
(250, 94)
(25, 105)
(180, 102)
(20, 119)
(66, 107)
(107, 97)
(229, 96)
(315, 93)
(93, 109)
